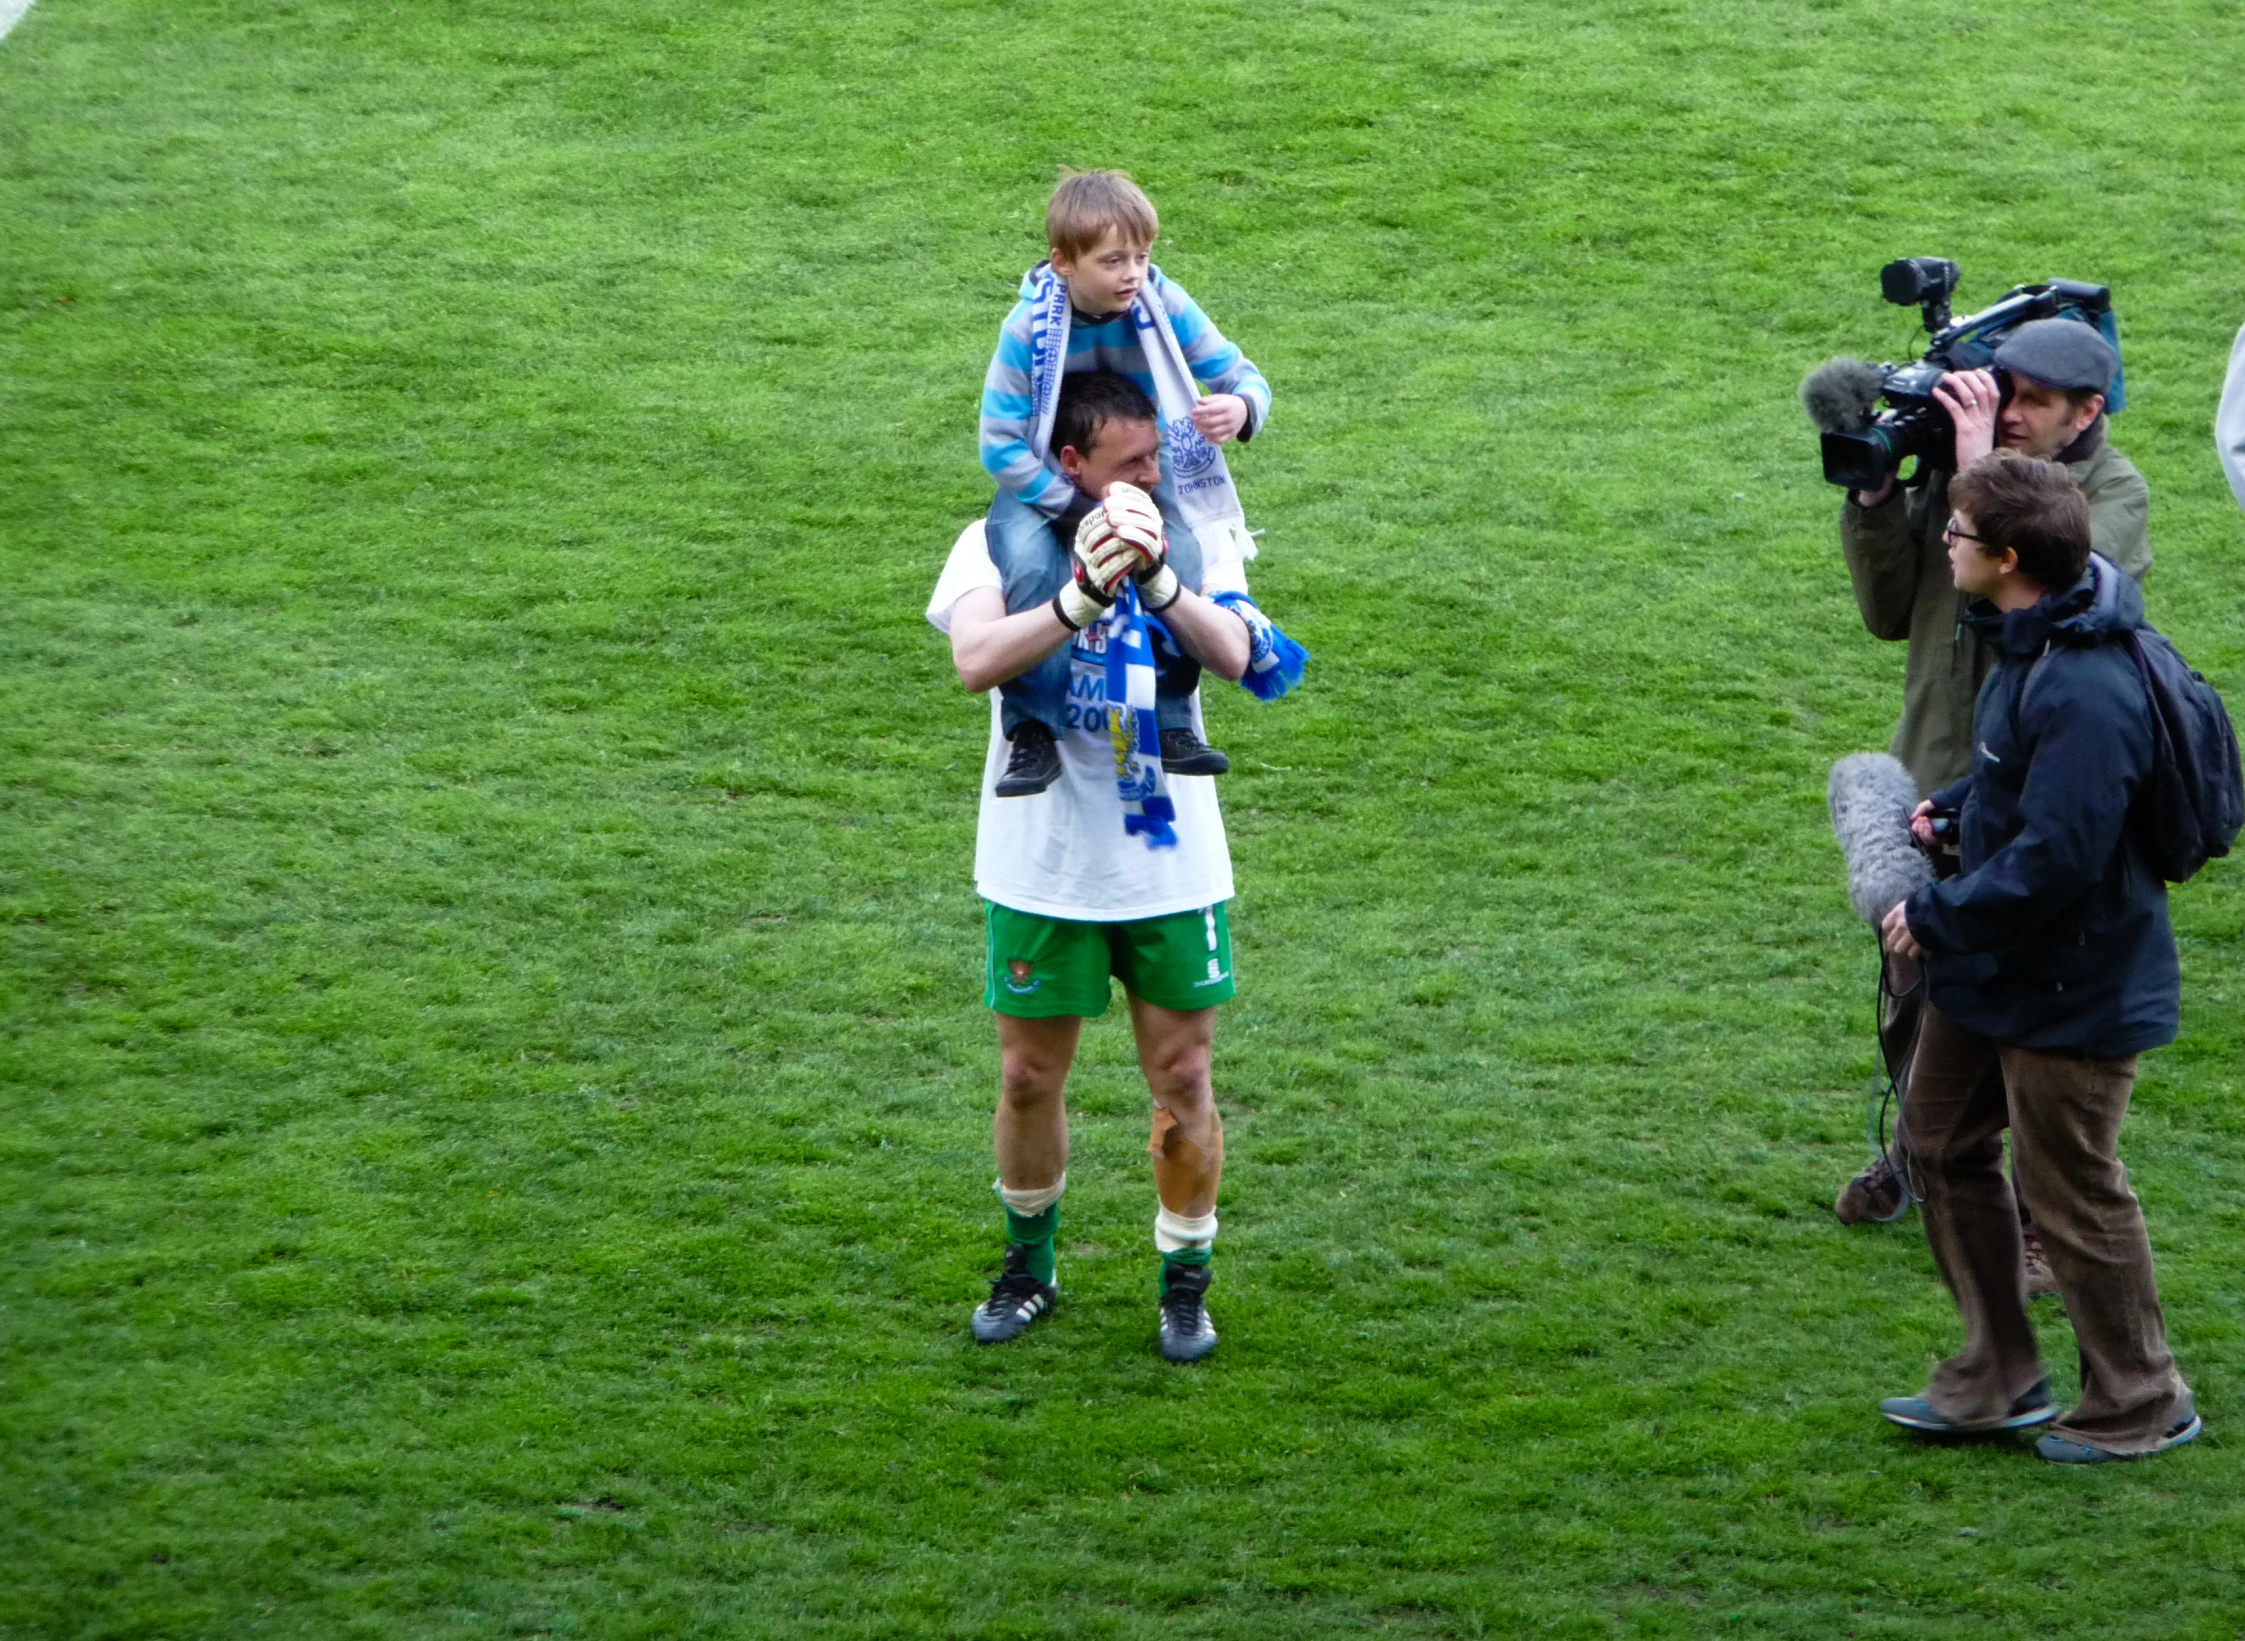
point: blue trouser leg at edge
(1033, 566)
(1176, 674)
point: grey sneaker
(1186, 1332)
(2059, 1450)
(1017, 1300)
(2033, 1407)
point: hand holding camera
(1939, 410)
(1972, 398)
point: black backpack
(2193, 802)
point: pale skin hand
(1220, 417)
(1972, 400)
(1894, 929)
(1894, 933)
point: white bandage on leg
(1174, 1232)
(1026, 1203)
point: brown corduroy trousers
(2064, 1115)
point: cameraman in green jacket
(1898, 558)
(2060, 370)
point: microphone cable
(1886, 1091)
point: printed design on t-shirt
(1021, 976)
(1087, 683)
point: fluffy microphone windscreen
(1871, 796)
(1842, 395)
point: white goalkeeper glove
(1101, 560)
(1132, 515)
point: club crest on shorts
(1021, 976)
(1190, 455)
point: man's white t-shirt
(1063, 853)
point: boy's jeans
(1034, 562)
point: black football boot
(1186, 1332)
(1016, 1300)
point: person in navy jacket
(2051, 956)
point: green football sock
(1184, 1256)
(1035, 1233)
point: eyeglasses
(1950, 532)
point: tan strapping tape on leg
(1158, 1145)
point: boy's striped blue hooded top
(1009, 390)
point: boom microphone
(1871, 796)
(1842, 395)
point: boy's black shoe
(1184, 753)
(1016, 1300)
(1186, 1332)
(1034, 763)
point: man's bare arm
(989, 646)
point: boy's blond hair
(1088, 203)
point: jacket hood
(2103, 605)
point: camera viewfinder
(1928, 281)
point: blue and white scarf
(1275, 661)
(1208, 501)
(1199, 476)
(1147, 809)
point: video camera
(1863, 444)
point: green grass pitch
(493, 1086)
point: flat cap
(2062, 352)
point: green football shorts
(1043, 967)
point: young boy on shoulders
(1099, 304)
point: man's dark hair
(1089, 401)
(2032, 507)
